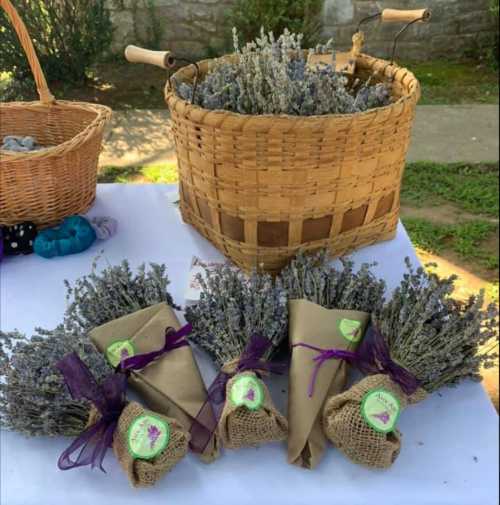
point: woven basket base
(274, 259)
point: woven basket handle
(46, 96)
(162, 59)
(400, 16)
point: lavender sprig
(312, 277)
(440, 340)
(232, 308)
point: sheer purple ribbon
(374, 357)
(324, 355)
(109, 400)
(173, 340)
(207, 419)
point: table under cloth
(450, 445)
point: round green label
(118, 351)
(350, 329)
(247, 392)
(381, 410)
(147, 436)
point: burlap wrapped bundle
(240, 426)
(348, 431)
(146, 472)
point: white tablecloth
(450, 446)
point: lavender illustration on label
(153, 435)
(385, 417)
(250, 395)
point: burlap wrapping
(240, 427)
(145, 473)
(314, 325)
(172, 385)
(348, 431)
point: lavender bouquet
(329, 313)
(422, 340)
(33, 398)
(240, 322)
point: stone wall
(196, 28)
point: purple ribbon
(109, 400)
(207, 419)
(324, 355)
(374, 357)
(173, 340)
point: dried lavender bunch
(233, 308)
(272, 76)
(312, 277)
(440, 340)
(117, 291)
(34, 399)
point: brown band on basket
(384, 205)
(272, 234)
(354, 218)
(185, 195)
(205, 213)
(316, 229)
(233, 227)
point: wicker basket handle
(46, 96)
(162, 59)
(400, 16)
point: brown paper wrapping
(172, 385)
(317, 326)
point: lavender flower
(272, 76)
(233, 308)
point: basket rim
(170, 94)
(103, 115)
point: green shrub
(69, 36)
(299, 16)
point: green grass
(472, 187)
(165, 173)
(465, 239)
(447, 83)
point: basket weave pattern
(48, 185)
(262, 187)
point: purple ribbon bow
(324, 355)
(205, 423)
(374, 357)
(173, 340)
(108, 398)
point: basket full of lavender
(421, 341)
(240, 322)
(329, 312)
(286, 134)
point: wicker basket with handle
(262, 187)
(48, 185)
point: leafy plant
(69, 35)
(272, 76)
(298, 16)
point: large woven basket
(260, 188)
(46, 186)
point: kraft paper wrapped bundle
(329, 313)
(147, 445)
(171, 385)
(319, 369)
(421, 341)
(240, 322)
